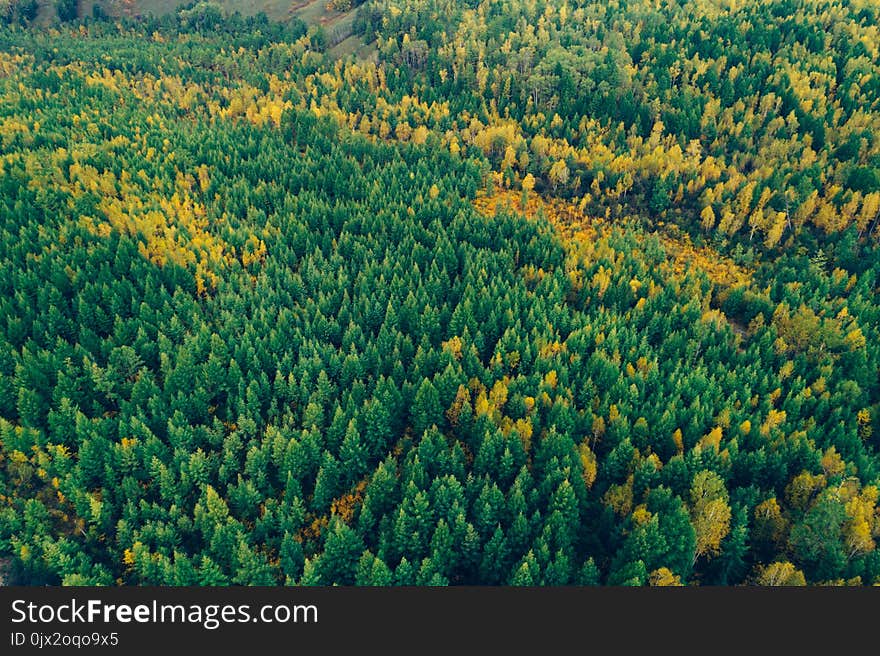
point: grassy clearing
(338, 25)
(312, 12)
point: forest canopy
(521, 292)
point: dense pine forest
(500, 292)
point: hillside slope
(494, 307)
